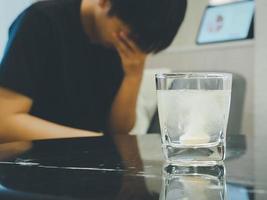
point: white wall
(183, 55)
(9, 9)
(188, 31)
(234, 57)
(260, 96)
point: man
(74, 67)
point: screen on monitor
(229, 22)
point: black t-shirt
(50, 59)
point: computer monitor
(228, 22)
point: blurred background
(245, 58)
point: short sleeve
(25, 52)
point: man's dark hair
(153, 23)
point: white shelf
(208, 47)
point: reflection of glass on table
(193, 112)
(194, 183)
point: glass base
(186, 156)
(217, 170)
(194, 182)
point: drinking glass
(193, 112)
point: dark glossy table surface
(128, 168)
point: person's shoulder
(32, 17)
(40, 15)
(44, 13)
(49, 8)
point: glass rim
(188, 75)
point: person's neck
(88, 21)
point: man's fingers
(127, 42)
(120, 46)
(130, 43)
(126, 46)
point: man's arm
(16, 124)
(123, 111)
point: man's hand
(123, 113)
(133, 59)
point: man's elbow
(3, 129)
(8, 126)
(123, 127)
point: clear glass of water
(193, 112)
